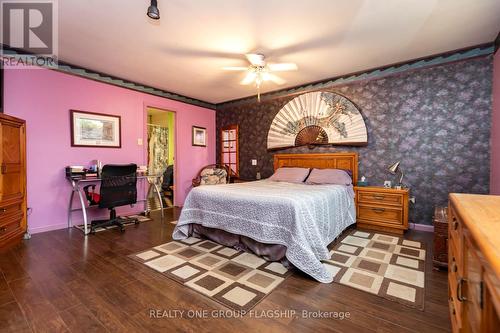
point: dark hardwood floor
(61, 281)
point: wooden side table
(384, 209)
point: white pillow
(290, 175)
(329, 176)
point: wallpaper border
(425, 62)
(113, 80)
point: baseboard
(422, 227)
(45, 228)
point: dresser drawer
(380, 198)
(9, 210)
(10, 227)
(454, 313)
(454, 230)
(455, 305)
(384, 214)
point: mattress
(303, 218)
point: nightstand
(384, 209)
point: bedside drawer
(384, 214)
(380, 198)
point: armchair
(212, 174)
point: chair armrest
(196, 181)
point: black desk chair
(167, 186)
(118, 188)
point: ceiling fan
(259, 71)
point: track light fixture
(153, 11)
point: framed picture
(199, 136)
(90, 129)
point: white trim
(422, 227)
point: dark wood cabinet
(440, 222)
(12, 179)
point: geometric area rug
(387, 266)
(235, 279)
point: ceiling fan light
(153, 11)
(266, 76)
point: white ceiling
(185, 50)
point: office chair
(118, 188)
(167, 186)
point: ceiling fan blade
(282, 67)
(250, 78)
(255, 59)
(234, 68)
(276, 79)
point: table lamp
(394, 169)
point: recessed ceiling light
(153, 11)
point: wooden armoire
(12, 180)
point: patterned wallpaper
(435, 120)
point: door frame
(145, 141)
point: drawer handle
(3, 210)
(378, 210)
(460, 297)
(454, 265)
(455, 225)
(379, 197)
(3, 229)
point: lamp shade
(394, 167)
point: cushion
(213, 176)
(329, 176)
(291, 175)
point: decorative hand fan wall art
(317, 118)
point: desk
(77, 182)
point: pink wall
(495, 128)
(44, 97)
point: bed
(277, 220)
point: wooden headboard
(347, 161)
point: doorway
(161, 153)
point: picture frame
(199, 136)
(92, 129)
